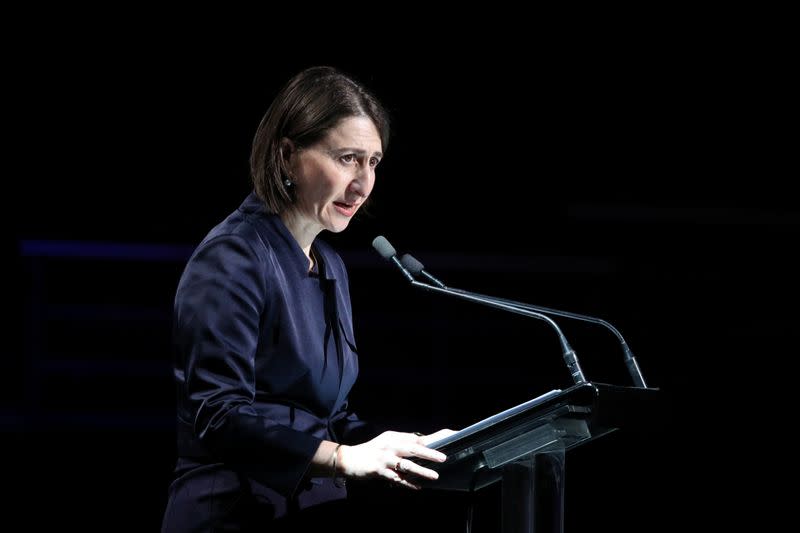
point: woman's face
(334, 176)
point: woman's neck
(303, 231)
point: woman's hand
(426, 440)
(387, 456)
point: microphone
(416, 268)
(388, 252)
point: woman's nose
(362, 184)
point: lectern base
(533, 493)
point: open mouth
(345, 208)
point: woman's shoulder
(239, 229)
(250, 222)
(234, 228)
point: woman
(265, 352)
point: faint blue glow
(106, 250)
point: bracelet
(339, 482)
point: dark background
(641, 180)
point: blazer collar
(272, 226)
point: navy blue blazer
(265, 351)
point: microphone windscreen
(383, 247)
(411, 264)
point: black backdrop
(636, 183)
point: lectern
(525, 448)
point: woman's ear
(287, 150)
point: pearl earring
(288, 183)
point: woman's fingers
(406, 483)
(403, 447)
(423, 452)
(433, 437)
(393, 475)
(407, 467)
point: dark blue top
(265, 352)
